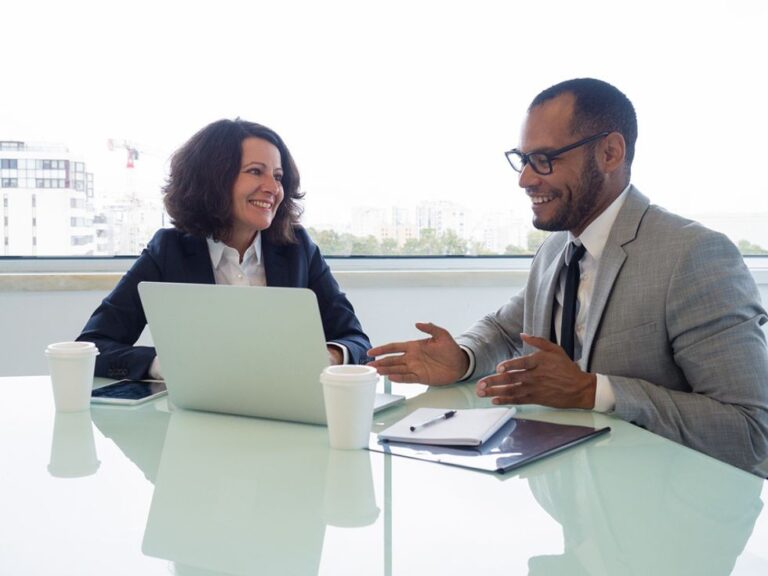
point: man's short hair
(599, 107)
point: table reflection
(73, 451)
(241, 495)
(670, 518)
(139, 432)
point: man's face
(573, 194)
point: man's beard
(580, 205)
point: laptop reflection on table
(239, 496)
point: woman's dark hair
(198, 194)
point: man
(660, 315)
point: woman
(232, 195)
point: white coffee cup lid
(71, 348)
(349, 372)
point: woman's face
(257, 191)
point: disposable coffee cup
(71, 366)
(349, 391)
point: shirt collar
(596, 234)
(216, 250)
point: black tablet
(128, 392)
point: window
(81, 240)
(398, 113)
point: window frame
(758, 265)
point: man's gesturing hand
(434, 360)
(547, 377)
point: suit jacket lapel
(624, 231)
(198, 260)
(542, 317)
(276, 265)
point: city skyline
(122, 207)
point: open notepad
(470, 427)
(517, 443)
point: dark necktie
(567, 337)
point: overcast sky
(390, 102)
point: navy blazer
(174, 256)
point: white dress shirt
(229, 270)
(593, 238)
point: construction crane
(132, 150)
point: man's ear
(611, 152)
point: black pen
(449, 414)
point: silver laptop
(241, 349)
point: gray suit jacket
(675, 323)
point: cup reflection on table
(350, 500)
(73, 451)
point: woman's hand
(335, 355)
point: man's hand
(435, 360)
(547, 377)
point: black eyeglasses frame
(525, 159)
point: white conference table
(152, 490)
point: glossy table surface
(152, 490)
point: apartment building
(47, 201)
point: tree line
(429, 243)
(448, 243)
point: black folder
(517, 443)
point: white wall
(387, 303)
(33, 319)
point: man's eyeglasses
(541, 162)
